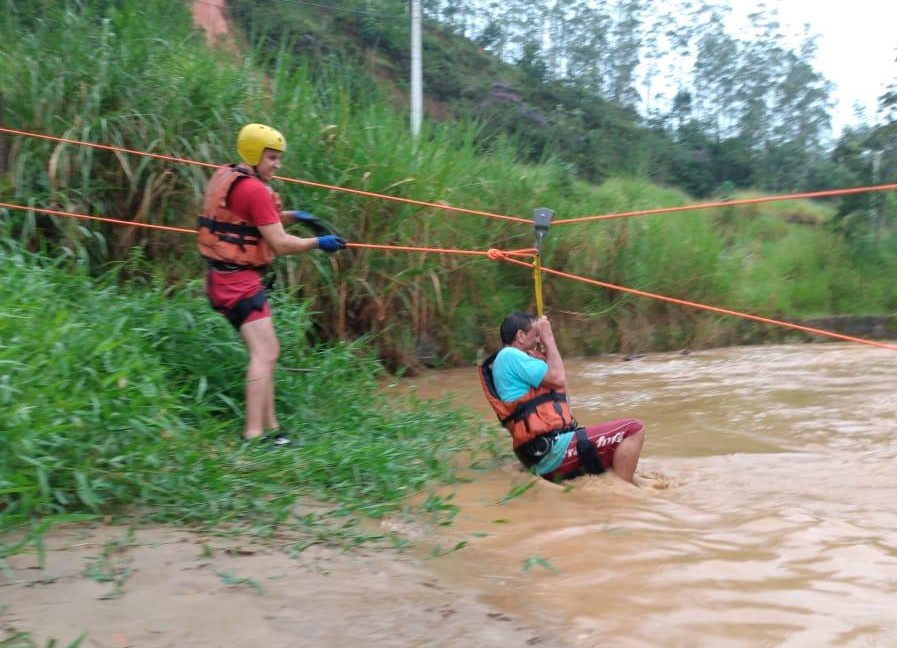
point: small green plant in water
(439, 551)
(517, 491)
(538, 561)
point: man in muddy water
(526, 385)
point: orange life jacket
(540, 411)
(223, 235)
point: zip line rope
(499, 254)
(730, 203)
(104, 219)
(185, 230)
(493, 254)
(463, 210)
(309, 183)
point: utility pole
(416, 70)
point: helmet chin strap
(252, 167)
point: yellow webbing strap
(537, 280)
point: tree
(587, 47)
(624, 53)
(715, 74)
(532, 63)
(800, 122)
(746, 109)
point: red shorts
(227, 289)
(606, 437)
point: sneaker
(273, 439)
(276, 439)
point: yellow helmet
(255, 138)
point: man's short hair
(515, 322)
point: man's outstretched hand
(331, 243)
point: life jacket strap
(234, 233)
(224, 266)
(589, 461)
(525, 409)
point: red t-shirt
(253, 200)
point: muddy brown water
(766, 516)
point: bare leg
(270, 418)
(626, 456)
(263, 347)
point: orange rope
(409, 248)
(494, 254)
(57, 212)
(729, 203)
(183, 230)
(474, 212)
(507, 255)
(712, 309)
(407, 201)
(359, 192)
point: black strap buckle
(223, 266)
(531, 452)
(589, 461)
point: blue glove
(316, 225)
(331, 243)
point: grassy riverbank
(125, 401)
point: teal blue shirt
(515, 373)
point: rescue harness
(536, 419)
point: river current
(766, 513)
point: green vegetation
(88, 70)
(121, 388)
(121, 391)
(126, 400)
(25, 640)
(674, 92)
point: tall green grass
(136, 74)
(127, 400)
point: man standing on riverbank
(240, 232)
(526, 385)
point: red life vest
(540, 411)
(223, 235)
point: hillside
(464, 82)
(751, 114)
